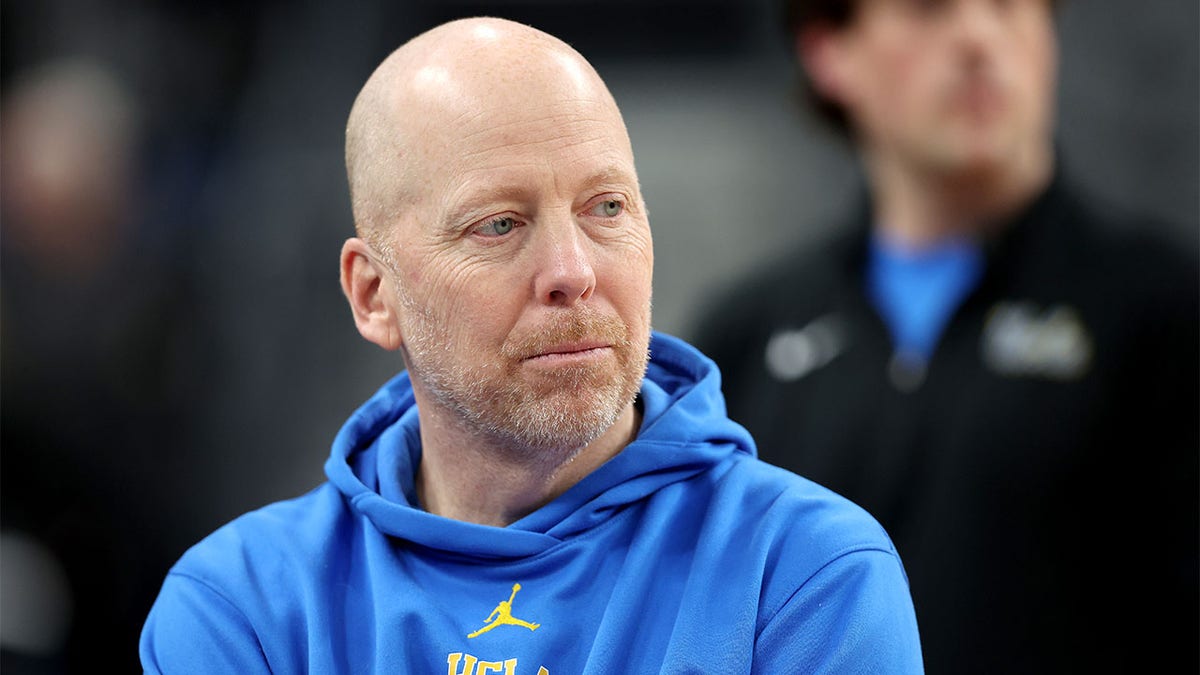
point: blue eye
(497, 227)
(610, 208)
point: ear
(821, 49)
(368, 291)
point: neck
(918, 207)
(468, 476)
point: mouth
(979, 98)
(570, 351)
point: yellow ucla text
(459, 663)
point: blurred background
(174, 346)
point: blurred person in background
(1001, 369)
(91, 328)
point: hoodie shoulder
(804, 526)
(229, 603)
(834, 577)
(821, 570)
(255, 560)
(797, 506)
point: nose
(565, 274)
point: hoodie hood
(684, 431)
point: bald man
(549, 486)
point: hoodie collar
(684, 431)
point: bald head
(451, 83)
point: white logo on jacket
(1022, 340)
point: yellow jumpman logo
(502, 615)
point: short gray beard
(544, 427)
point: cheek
(636, 254)
(631, 272)
(911, 77)
(893, 80)
(1039, 74)
(466, 302)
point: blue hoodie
(683, 553)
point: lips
(583, 334)
(569, 349)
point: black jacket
(1039, 473)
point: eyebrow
(613, 173)
(467, 208)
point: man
(543, 446)
(1007, 380)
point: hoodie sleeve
(194, 629)
(855, 615)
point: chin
(981, 157)
(560, 429)
(567, 419)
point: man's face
(523, 279)
(950, 85)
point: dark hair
(799, 14)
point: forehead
(563, 133)
(520, 134)
(936, 11)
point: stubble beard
(548, 415)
